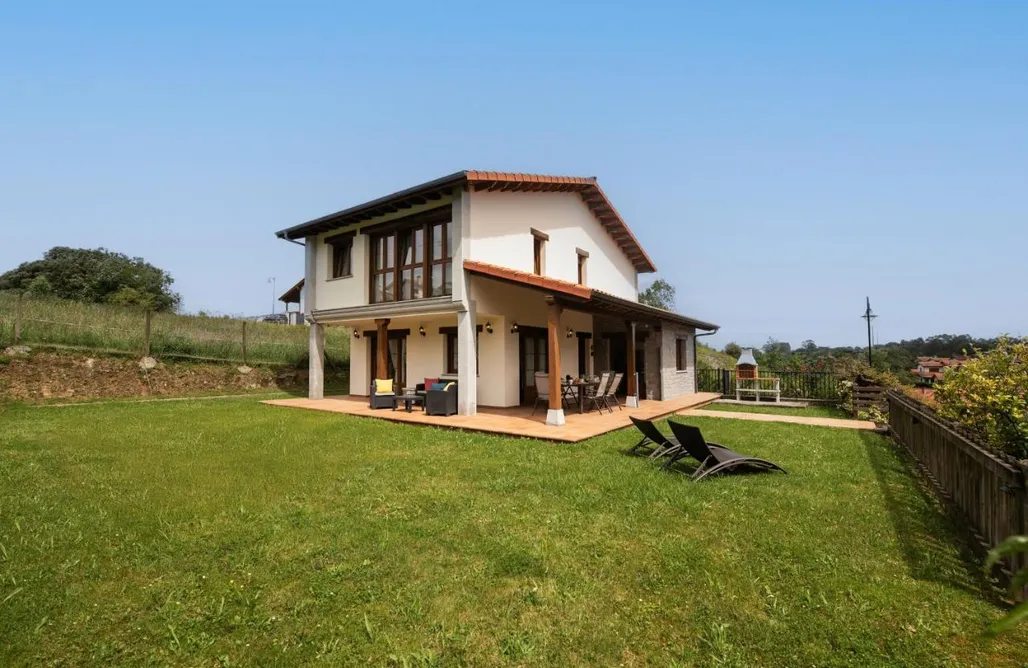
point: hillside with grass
(708, 358)
(107, 328)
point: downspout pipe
(696, 359)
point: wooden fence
(808, 385)
(984, 488)
(866, 396)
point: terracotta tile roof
(587, 188)
(582, 296)
(525, 278)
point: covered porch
(514, 421)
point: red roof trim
(515, 276)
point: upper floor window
(341, 247)
(583, 256)
(413, 260)
(539, 240)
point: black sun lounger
(659, 444)
(712, 459)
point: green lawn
(224, 532)
(809, 411)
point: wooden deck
(517, 421)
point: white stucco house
(486, 278)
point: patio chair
(542, 390)
(384, 400)
(712, 460)
(570, 393)
(609, 398)
(594, 394)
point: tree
(732, 349)
(660, 293)
(775, 354)
(97, 276)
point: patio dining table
(567, 390)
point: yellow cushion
(384, 386)
(448, 386)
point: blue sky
(779, 161)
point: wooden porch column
(382, 343)
(632, 400)
(555, 415)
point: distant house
(931, 369)
(294, 295)
(489, 278)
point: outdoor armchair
(381, 400)
(441, 402)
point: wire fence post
(17, 319)
(244, 343)
(146, 333)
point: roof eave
(658, 313)
(640, 260)
(298, 231)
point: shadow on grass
(931, 543)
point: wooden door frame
(373, 350)
(525, 331)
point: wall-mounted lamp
(571, 332)
(356, 333)
(421, 330)
(514, 327)
(489, 327)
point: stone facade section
(675, 383)
(652, 373)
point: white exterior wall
(498, 352)
(332, 293)
(501, 224)
(360, 368)
(426, 356)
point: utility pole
(869, 316)
(272, 281)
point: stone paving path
(791, 419)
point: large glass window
(413, 261)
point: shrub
(989, 396)
(854, 372)
(1008, 548)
